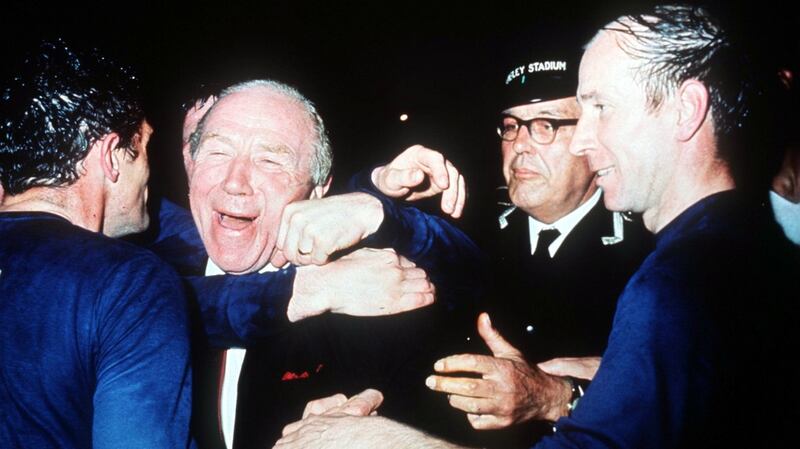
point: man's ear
(320, 191)
(109, 159)
(693, 102)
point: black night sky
(363, 63)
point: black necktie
(546, 237)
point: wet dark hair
(676, 43)
(679, 42)
(56, 105)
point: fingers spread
(462, 386)
(466, 363)
(471, 405)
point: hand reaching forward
(365, 403)
(367, 282)
(509, 391)
(337, 422)
(404, 178)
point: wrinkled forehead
(617, 39)
(605, 43)
(605, 63)
(270, 118)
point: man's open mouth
(234, 222)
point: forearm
(406, 229)
(389, 434)
(358, 432)
(399, 436)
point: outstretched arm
(233, 310)
(454, 263)
(372, 215)
(241, 310)
(508, 391)
(313, 231)
(237, 311)
(419, 172)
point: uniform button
(530, 329)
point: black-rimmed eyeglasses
(542, 130)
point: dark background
(364, 64)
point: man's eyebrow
(215, 136)
(275, 148)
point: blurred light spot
(403, 117)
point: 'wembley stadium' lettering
(537, 67)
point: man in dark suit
(258, 166)
(561, 258)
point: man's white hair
(321, 159)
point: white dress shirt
(234, 357)
(565, 224)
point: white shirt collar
(212, 269)
(565, 224)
